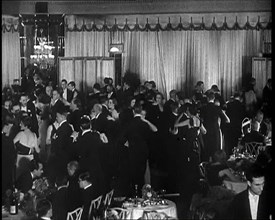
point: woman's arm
(152, 126)
(229, 174)
(182, 124)
(36, 145)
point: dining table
(138, 211)
(7, 216)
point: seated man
(89, 193)
(60, 199)
(24, 182)
(253, 202)
(254, 135)
(44, 210)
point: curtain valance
(9, 23)
(180, 22)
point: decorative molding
(139, 6)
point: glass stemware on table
(149, 198)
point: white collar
(97, 115)
(32, 175)
(62, 122)
(175, 114)
(137, 115)
(55, 101)
(85, 131)
(87, 186)
(253, 196)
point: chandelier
(43, 51)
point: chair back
(75, 215)
(108, 198)
(95, 204)
(246, 126)
(155, 215)
(253, 148)
(117, 213)
(202, 167)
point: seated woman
(218, 170)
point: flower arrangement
(148, 193)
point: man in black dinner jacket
(25, 181)
(252, 203)
(61, 144)
(89, 193)
(88, 150)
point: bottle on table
(13, 202)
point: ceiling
(137, 6)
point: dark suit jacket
(88, 150)
(166, 107)
(54, 108)
(69, 95)
(100, 123)
(236, 112)
(240, 209)
(60, 204)
(74, 119)
(105, 111)
(24, 182)
(61, 144)
(88, 195)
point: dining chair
(117, 213)
(202, 167)
(95, 204)
(155, 215)
(108, 198)
(75, 215)
(246, 126)
(253, 148)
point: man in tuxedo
(99, 120)
(74, 91)
(211, 114)
(60, 198)
(104, 103)
(137, 135)
(254, 135)
(89, 193)
(44, 209)
(94, 97)
(111, 92)
(61, 144)
(24, 182)
(236, 112)
(27, 106)
(75, 114)
(172, 99)
(66, 93)
(56, 104)
(88, 147)
(252, 203)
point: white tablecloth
(237, 187)
(137, 212)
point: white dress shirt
(253, 203)
(64, 95)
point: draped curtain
(175, 59)
(11, 67)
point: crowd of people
(113, 135)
